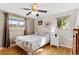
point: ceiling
(52, 8)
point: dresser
(75, 49)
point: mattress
(32, 42)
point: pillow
(43, 33)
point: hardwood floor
(14, 50)
(46, 50)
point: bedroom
(47, 33)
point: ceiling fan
(34, 10)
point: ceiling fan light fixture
(33, 12)
(34, 7)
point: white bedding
(32, 42)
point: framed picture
(47, 24)
(39, 22)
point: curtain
(25, 30)
(6, 39)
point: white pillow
(43, 33)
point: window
(62, 22)
(15, 23)
(21, 23)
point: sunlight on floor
(40, 50)
(0, 48)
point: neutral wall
(1, 27)
(77, 22)
(30, 26)
(44, 21)
(66, 38)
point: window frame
(62, 26)
(17, 25)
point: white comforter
(32, 42)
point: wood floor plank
(46, 50)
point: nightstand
(54, 40)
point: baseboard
(66, 46)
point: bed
(30, 43)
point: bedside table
(54, 40)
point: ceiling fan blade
(37, 15)
(28, 13)
(42, 11)
(26, 8)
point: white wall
(1, 27)
(30, 26)
(77, 22)
(66, 38)
(44, 21)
